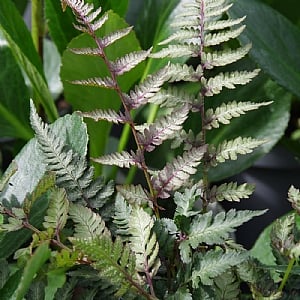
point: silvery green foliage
(191, 248)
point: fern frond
(128, 62)
(213, 263)
(121, 159)
(225, 57)
(143, 241)
(230, 191)
(214, 230)
(57, 213)
(230, 149)
(176, 173)
(222, 24)
(163, 129)
(71, 170)
(216, 8)
(185, 201)
(121, 217)
(88, 225)
(227, 286)
(134, 194)
(174, 51)
(113, 260)
(144, 91)
(184, 72)
(105, 115)
(86, 51)
(294, 198)
(114, 36)
(228, 80)
(172, 97)
(224, 113)
(106, 82)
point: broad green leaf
(85, 98)
(119, 7)
(20, 41)
(60, 24)
(275, 42)
(35, 263)
(56, 279)
(11, 285)
(267, 123)
(14, 97)
(31, 167)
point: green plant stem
(37, 25)
(286, 274)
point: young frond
(88, 225)
(225, 57)
(294, 198)
(224, 113)
(230, 149)
(228, 80)
(213, 263)
(230, 191)
(144, 91)
(175, 174)
(121, 159)
(134, 194)
(163, 129)
(105, 115)
(113, 260)
(128, 62)
(106, 82)
(57, 213)
(143, 241)
(210, 229)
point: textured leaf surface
(270, 33)
(78, 67)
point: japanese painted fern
(130, 250)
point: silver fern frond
(106, 82)
(106, 115)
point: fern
(294, 198)
(71, 170)
(175, 174)
(57, 212)
(143, 242)
(213, 264)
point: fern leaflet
(294, 198)
(106, 115)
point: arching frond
(128, 62)
(225, 57)
(224, 113)
(176, 173)
(163, 129)
(106, 115)
(213, 230)
(230, 191)
(230, 149)
(121, 159)
(88, 225)
(213, 263)
(229, 80)
(143, 242)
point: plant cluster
(165, 237)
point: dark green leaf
(11, 285)
(14, 97)
(60, 24)
(56, 279)
(20, 41)
(275, 42)
(37, 260)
